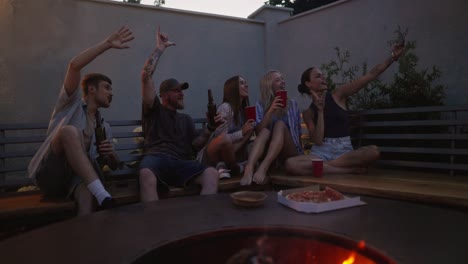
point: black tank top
(335, 118)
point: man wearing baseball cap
(170, 136)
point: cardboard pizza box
(310, 207)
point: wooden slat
(415, 136)
(13, 169)
(448, 151)
(128, 146)
(124, 122)
(424, 109)
(127, 134)
(413, 123)
(21, 126)
(413, 186)
(21, 140)
(129, 157)
(418, 164)
(17, 154)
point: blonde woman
(278, 129)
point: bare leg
(84, 199)
(358, 158)
(281, 142)
(222, 149)
(69, 142)
(208, 180)
(254, 155)
(148, 186)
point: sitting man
(65, 164)
(170, 137)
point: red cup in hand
(251, 112)
(284, 96)
(317, 164)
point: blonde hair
(267, 95)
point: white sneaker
(223, 172)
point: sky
(236, 8)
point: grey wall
(38, 38)
(364, 27)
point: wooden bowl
(248, 198)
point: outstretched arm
(148, 90)
(117, 41)
(346, 90)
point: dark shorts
(55, 177)
(170, 170)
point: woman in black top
(328, 124)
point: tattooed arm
(148, 90)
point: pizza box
(311, 207)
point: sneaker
(223, 172)
(107, 203)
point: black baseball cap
(171, 84)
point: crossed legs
(350, 162)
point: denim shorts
(332, 148)
(170, 170)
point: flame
(350, 259)
(362, 244)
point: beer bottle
(211, 110)
(100, 133)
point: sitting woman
(278, 129)
(328, 123)
(228, 149)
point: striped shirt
(292, 120)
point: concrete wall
(40, 37)
(364, 26)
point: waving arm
(115, 41)
(148, 90)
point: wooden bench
(424, 156)
(428, 146)
(19, 142)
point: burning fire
(350, 259)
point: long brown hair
(232, 97)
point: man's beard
(179, 105)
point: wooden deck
(430, 188)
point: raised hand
(162, 40)
(118, 39)
(397, 51)
(318, 100)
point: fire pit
(267, 244)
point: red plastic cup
(251, 112)
(284, 96)
(317, 164)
